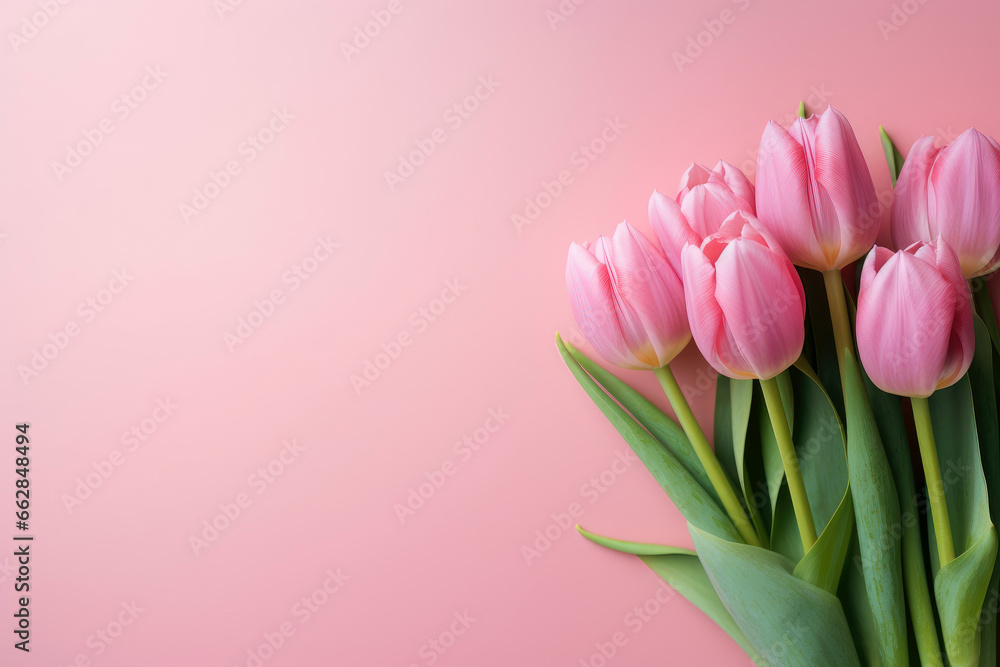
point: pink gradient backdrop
(492, 348)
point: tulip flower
(629, 303)
(704, 200)
(814, 192)
(627, 300)
(915, 332)
(746, 307)
(816, 198)
(915, 335)
(953, 192)
(745, 301)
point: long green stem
(797, 488)
(838, 314)
(707, 456)
(935, 487)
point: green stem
(707, 456)
(797, 488)
(935, 487)
(838, 313)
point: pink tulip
(953, 192)
(704, 200)
(814, 192)
(627, 300)
(744, 301)
(915, 330)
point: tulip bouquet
(822, 537)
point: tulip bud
(704, 200)
(915, 332)
(814, 192)
(953, 192)
(627, 300)
(744, 300)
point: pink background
(189, 282)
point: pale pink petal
(591, 299)
(647, 283)
(704, 314)
(671, 228)
(739, 184)
(962, 344)
(909, 219)
(695, 174)
(874, 262)
(707, 205)
(842, 174)
(783, 197)
(964, 199)
(763, 306)
(904, 325)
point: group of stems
(844, 341)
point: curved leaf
(877, 518)
(694, 502)
(654, 420)
(788, 621)
(960, 586)
(681, 569)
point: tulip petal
(763, 307)
(902, 358)
(825, 221)
(964, 199)
(706, 206)
(962, 344)
(783, 197)
(671, 228)
(705, 315)
(842, 173)
(652, 290)
(739, 184)
(910, 220)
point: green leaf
(788, 621)
(802, 109)
(888, 412)
(696, 504)
(854, 597)
(878, 520)
(960, 586)
(733, 406)
(683, 571)
(984, 398)
(824, 562)
(892, 156)
(651, 417)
